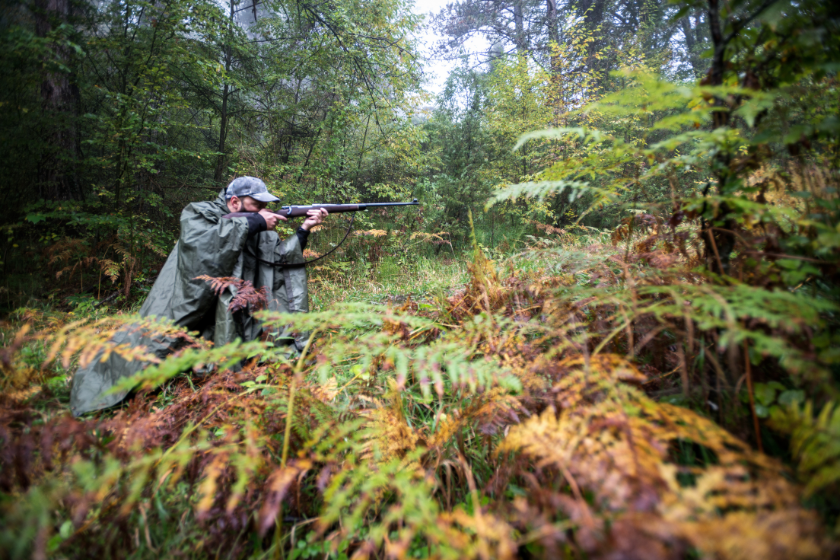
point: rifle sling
(282, 264)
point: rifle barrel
(375, 204)
(296, 211)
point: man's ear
(234, 204)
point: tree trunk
(56, 173)
(593, 16)
(519, 25)
(690, 35)
(223, 120)
(719, 233)
(554, 59)
(553, 35)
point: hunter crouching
(210, 245)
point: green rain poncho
(213, 246)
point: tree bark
(223, 117)
(719, 241)
(56, 168)
(554, 59)
(553, 34)
(691, 41)
(593, 16)
(519, 28)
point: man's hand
(314, 217)
(271, 219)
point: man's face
(245, 204)
(251, 205)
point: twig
(748, 373)
(106, 300)
(291, 408)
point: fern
(245, 295)
(815, 442)
(616, 443)
(404, 424)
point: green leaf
(764, 395)
(66, 529)
(54, 542)
(823, 478)
(788, 398)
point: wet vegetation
(611, 331)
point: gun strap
(283, 264)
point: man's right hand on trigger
(271, 219)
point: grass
(421, 278)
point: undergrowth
(524, 413)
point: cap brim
(264, 197)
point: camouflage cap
(249, 186)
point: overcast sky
(436, 70)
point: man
(210, 245)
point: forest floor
(458, 408)
(421, 280)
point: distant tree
(56, 177)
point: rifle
(296, 211)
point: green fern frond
(815, 442)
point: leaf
(207, 488)
(788, 398)
(764, 395)
(815, 442)
(66, 529)
(277, 485)
(559, 133)
(776, 385)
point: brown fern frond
(219, 285)
(65, 249)
(546, 228)
(245, 296)
(389, 434)
(620, 446)
(370, 233)
(326, 392)
(110, 269)
(277, 486)
(8, 352)
(207, 488)
(148, 244)
(489, 412)
(310, 254)
(433, 238)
